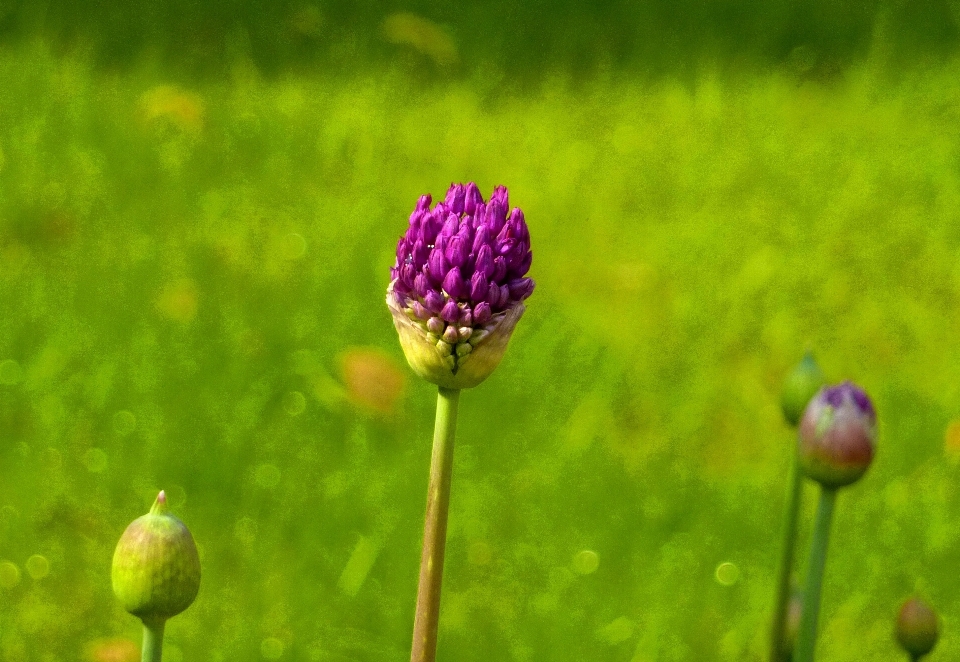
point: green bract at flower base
(463, 363)
(156, 572)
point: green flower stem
(152, 641)
(435, 529)
(794, 492)
(807, 636)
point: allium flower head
(837, 435)
(156, 568)
(917, 629)
(457, 287)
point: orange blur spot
(168, 102)
(112, 650)
(951, 441)
(179, 300)
(373, 379)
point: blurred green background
(199, 203)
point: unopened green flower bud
(917, 629)
(799, 387)
(156, 568)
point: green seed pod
(156, 568)
(799, 387)
(917, 627)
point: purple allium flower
(837, 435)
(458, 285)
(917, 629)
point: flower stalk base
(435, 529)
(807, 636)
(152, 641)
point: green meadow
(193, 264)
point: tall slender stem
(152, 641)
(782, 599)
(435, 529)
(807, 636)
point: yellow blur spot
(727, 574)
(95, 460)
(294, 403)
(38, 566)
(179, 300)
(178, 107)
(479, 553)
(616, 632)
(423, 35)
(124, 422)
(9, 575)
(307, 21)
(586, 562)
(267, 475)
(271, 648)
(358, 567)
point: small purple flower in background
(837, 435)
(457, 287)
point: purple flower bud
(403, 250)
(420, 254)
(438, 265)
(480, 238)
(434, 302)
(466, 317)
(423, 203)
(450, 226)
(453, 284)
(479, 286)
(520, 288)
(429, 228)
(499, 269)
(450, 312)
(456, 252)
(472, 198)
(484, 264)
(482, 313)
(407, 275)
(435, 325)
(454, 199)
(500, 196)
(420, 310)
(917, 629)
(523, 266)
(493, 295)
(837, 435)
(421, 285)
(495, 218)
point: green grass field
(192, 278)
